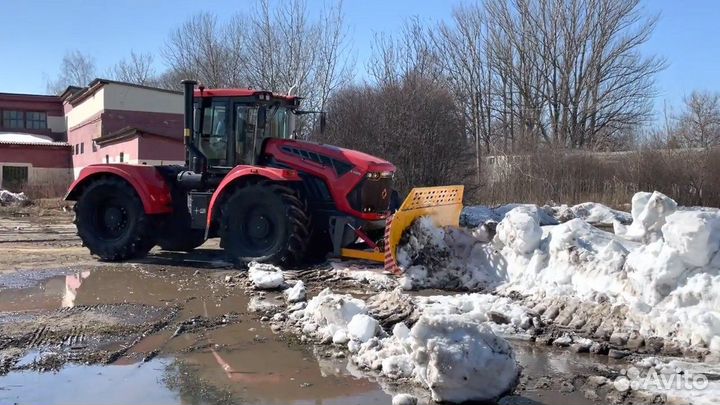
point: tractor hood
(361, 162)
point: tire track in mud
(91, 334)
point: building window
(77, 149)
(14, 178)
(13, 119)
(122, 157)
(35, 120)
(107, 158)
(82, 147)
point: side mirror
(323, 122)
(261, 117)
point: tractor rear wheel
(264, 222)
(111, 220)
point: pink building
(33, 152)
(46, 140)
(115, 122)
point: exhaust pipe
(195, 159)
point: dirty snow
(327, 315)
(452, 353)
(265, 276)
(592, 213)
(455, 357)
(404, 399)
(296, 293)
(10, 198)
(476, 215)
(375, 278)
(446, 258)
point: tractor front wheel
(111, 221)
(264, 222)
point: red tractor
(269, 197)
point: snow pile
(476, 215)
(649, 211)
(362, 327)
(296, 293)
(592, 213)
(457, 358)
(502, 314)
(520, 230)
(328, 317)
(670, 282)
(447, 258)
(265, 276)
(10, 198)
(404, 399)
(677, 279)
(374, 278)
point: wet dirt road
(175, 328)
(171, 332)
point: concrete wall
(86, 109)
(130, 98)
(153, 122)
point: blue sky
(35, 34)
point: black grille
(339, 166)
(372, 195)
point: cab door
(215, 139)
(244, 133)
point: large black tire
(111, 220)
(264, 222)
(181, 239)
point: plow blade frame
(443, 204)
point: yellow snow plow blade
(443, 204)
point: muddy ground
(178, 328)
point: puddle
(200, 344)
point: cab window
(213, 139)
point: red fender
(244, 171)
(150, 186)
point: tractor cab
(231, 124)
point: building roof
(30, 97)
(97, 84)
(129, 133)
(17, 138)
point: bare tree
(205, 49)
(575, 65)
(276, 46)
(699, 123)
(138, 69)
(76, 69)
(414, 123)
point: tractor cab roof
(244, 93)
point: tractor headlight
(379, 175)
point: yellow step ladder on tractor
(442, 204)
